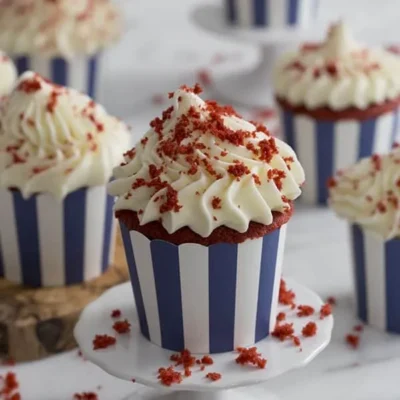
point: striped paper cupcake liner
(377, 277)
(206, 299)
(324, 147)
(270, 13)
(45, 242)
(79, 73)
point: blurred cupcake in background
(8, 75)
(57, 152)
(203, 203)
(270, 13)
(339, 102)
(367, 195)
(62, 40)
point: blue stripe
(392, 261)
(1, 262)
(266, 286)
(292, 11)
(28, 238)
(325, 145)
(92, 73)
(22, 64)
(168, 287)
(395, 132)
(231, 12)
(360, 276)
(59, 71)
(130, 258)
(107, 240)
(367, 135)
(222, 260)
(74, 236)
(259, 9)
(288, 129)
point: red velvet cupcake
(203, 201)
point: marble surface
(161, 50)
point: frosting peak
(8, 74)
(368, 194)
(56, 140)
(202, 166)
(58, 27)
(338, 73)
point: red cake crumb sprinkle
(168, 376)
(310, 329)
(286, 296)
(281, 317)
(358, 328)
(116, 313)
(187, 372)
(257, 179)
(184, 358)
(268, 149)
(85, 396)
(207, 360)
(9, 386)
(250, 356)
(103, 341)
(283, 332)
(204, 77)
(238, 170)
(30, 85)
(8, 362)
(325, 311)
(376, 162)
(289, 161)
(277, 176)
(332, 69)
(133, 380)
(213, 376)
(296, 341)
(144, 141)
(122, 327)
(353, 340)
(297, 65)
(305, 311)
(331, 300)
(331, 183)
(202, 368)
(216, 203)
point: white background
(161, 50)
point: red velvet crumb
(296, 341)
(250, 356)
(207, 360)
(116, 313)
(184, 358)
(85, 396)
(169, 376)
(213, 376)
(305, 311)
(216, 203)
(310, 329)
(325, 311)
(122, 326)
(358, 328)
(281, 317)
(353, 340)
(286, 296)
(283, 332)
(103, 341)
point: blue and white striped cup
(80, 73)
(206, 299)
(377, 277)
(45, 242)
(324, 147)
(270, 13)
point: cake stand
(251, 87)
(135, 358)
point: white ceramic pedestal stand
(134, 357)
(252, 87)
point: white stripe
(277, 12)
(374, 253)
(94, 231)
(244, 12)
(346, 141)
(50, 214)
(193, 269)
(9, 238)
(247, 287)
(306, 146)
(78, 74)
(305, 12)
(41, 65)
(278, 276)
(383, 133)
(144, 266)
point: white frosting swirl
(58, 27)
(202, 166)
(56, 140)
(8, 74)
(338, 73)
(368, 194)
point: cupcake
(339, 102)
(270, 14)
(62, 40)
(203, 201)
(367, 195)
(57, 152)
(8, 75)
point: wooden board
(36, 323)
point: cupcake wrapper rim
(206, 299)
